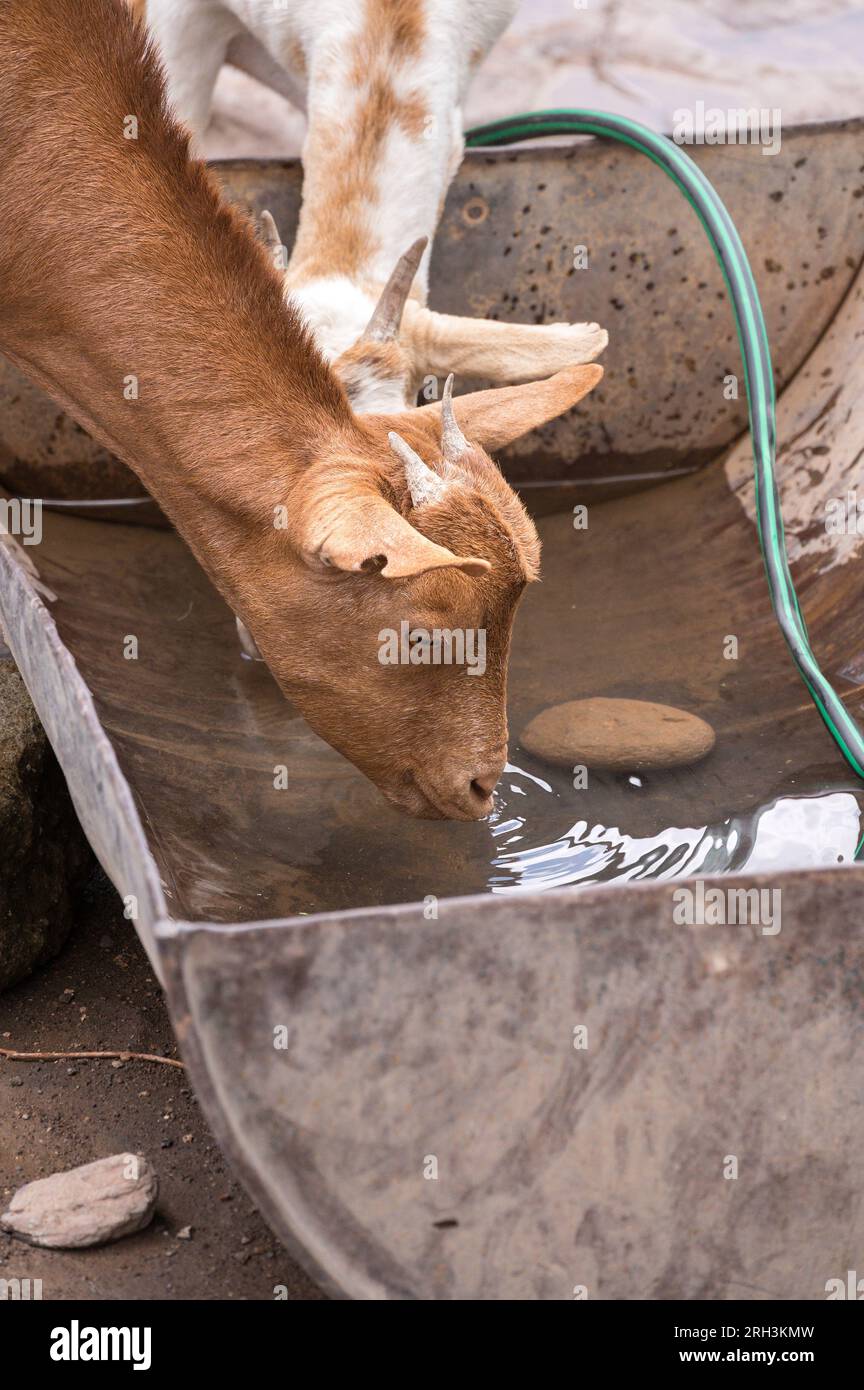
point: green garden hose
(753, 340)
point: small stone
(91, 1205)
(185, 1233)
(618, 735)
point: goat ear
(360, 531)
(492, 419)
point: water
(639, 606)
(788, 833)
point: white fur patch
(336, 310)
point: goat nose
(485, 784)
(485, 778)
(464, 791)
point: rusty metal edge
(101, 795)
(525, 150)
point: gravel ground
(100, 994)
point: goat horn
(384, 323)
(271, 238)
(453, 441)
(424, 484)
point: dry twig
(69, 1056)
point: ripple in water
(789, 833)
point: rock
(618, 735)
(91, 1205)
(44, 849)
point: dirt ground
(100, 994)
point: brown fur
(369, 360)
(298, 57)
(393, 30)
(336, 232)
(119, 257)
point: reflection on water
(789, 833)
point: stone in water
(618, 735)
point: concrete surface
(805, 56)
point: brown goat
(118, 257)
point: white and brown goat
(383, 85)
(120, 256)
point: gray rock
(91, 1205)
(44, 851)
(620, 735)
